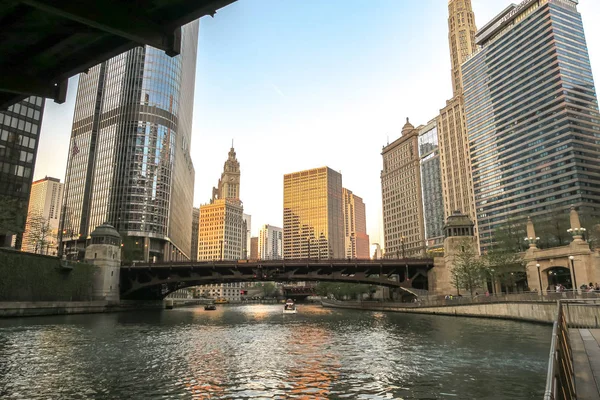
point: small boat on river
(210, 307)
(289, 307)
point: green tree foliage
(468, 271)
(342, 290)
(132, 250)
(12, 215)
(269, 289)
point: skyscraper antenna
(232, 143)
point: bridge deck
(585, 344)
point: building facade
(254, 254)
(431, 185)
(195, 228)
(129, 162)
(43, 217)
(246, 235)
(532, 116)
(313, 225)
(221, 228)
(356, 242)
(270, 243)
(403, 227)
(457, 183)
(20, 126)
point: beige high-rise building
(461, 37)
(457, 184)
(403, 225)
(270, 243)
(313, 218)
(43, 217)
(221, 225)
(355, 226)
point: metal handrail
(560, 380)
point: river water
(256, 352)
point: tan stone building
(403, 223)
(43, 217)
(355, 226)
(221, 226)
(457, 184)
(313, 225)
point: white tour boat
(289, 307)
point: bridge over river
(155, 281)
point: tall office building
(19, 137)
(221, 227)
(313, 224)
(246, 235)
(431, 185)
(195, 227)
(461, 38)
(532, 115)
(129, 161)
(356, 242)
(457, 183)
(43, 216)
(270, 243)
(254, 248)
(403, 227)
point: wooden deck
(585, 344)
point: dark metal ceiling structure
(45, 42)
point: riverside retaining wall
(26, 277)
(541, 312)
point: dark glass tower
(129, 162)
(532, 116)
(19, 133)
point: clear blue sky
(300, 84)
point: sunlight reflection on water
(254, 351)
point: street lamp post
(539, 278)
(402, 243)
(573, 272)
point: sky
(301, 84)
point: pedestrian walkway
(585, 345)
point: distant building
(246, 235)
(403, 223)
(43, 217)
(195, 227)
(270, 243)
(221, 228)
(355, 226)
(534, 127)
(19, 139)
(254, 254)
(457, 184)
(230, 291)
(376, 253)
(431, 185)
(313, 217)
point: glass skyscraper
(129, 162)
(431, 185)
(532, 115)
(19, 140)
(313, 217)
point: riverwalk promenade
(585, 347)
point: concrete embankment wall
(577, 314)
(26, 277)
(543, 312)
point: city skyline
(343, 81)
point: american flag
(75, 148)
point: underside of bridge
(45, 42)
(154, 282)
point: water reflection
(255, 351)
